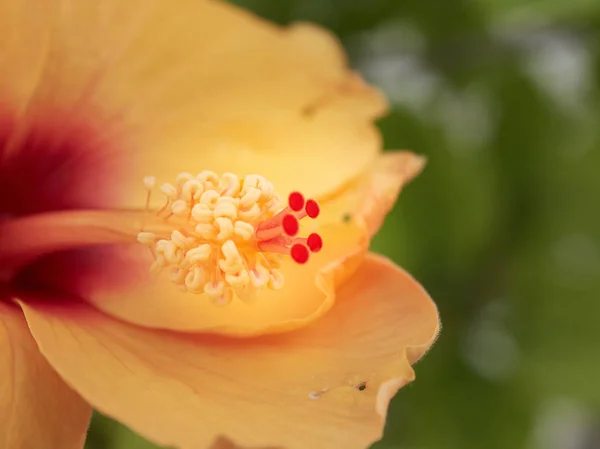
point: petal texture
(193, 85)
(325, 386)
(36, 406)
(23, 49)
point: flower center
(227, 236)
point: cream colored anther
(199, 254)
(210, 198)
(225, 227)
(250, 182)
(239, 279)
(182, 178)
(231, 185)
(226, 207)
(202, 213)
(243, 229)
(146, 238)
(267, 190)
(206, 231)
(192, 190)
(230, 266)
(250, 198)
(169, 251)
(251, 214)
(181, 241)
(230, 250)
(232, 261)
(259, 276)
(170, 191)
(195, 280)
(149, 182)
(209, 178)
(180, 208)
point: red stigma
(314, 242)
(290, 225)
(296, 201)
(278, 234)
(299, 253)
(312, 209)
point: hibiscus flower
(187, 195)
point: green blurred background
(503, 227)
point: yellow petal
(117, 280)
(36, 406)
(298, 390)
(369, 198)
(196, 85)
(22, 51)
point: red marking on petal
(290, 225)
(296, 201)
(61, 160)
(314, 242)
(312, 209)
(299, 253)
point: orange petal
(36, 406)
(369, 198)
(117, 280)
(297, 390)
(198, 85)
(224, 443)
